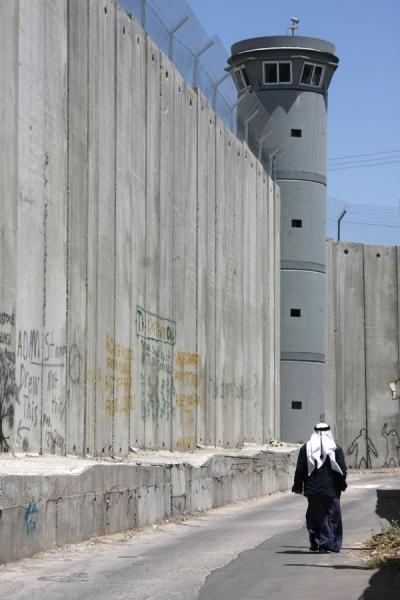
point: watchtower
(290, 76)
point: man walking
(321, 476)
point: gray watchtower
(290, 76)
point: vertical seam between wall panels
(146, 177)
(171, 429)
(398, 307)
(44, 281)
(96, 264)
(131, 344)
(85, 404)
(115, 12)
(16, 182)
(335, 333)
(67, 381)
(156, 429)
(242, 294)
(199, 100)
(215, 280)
(365, 357)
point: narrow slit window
(277, 72)
(241, 78)
(297, 223)
(296, 133)
(312, 75)
(295, 312)
(296, 405)
(316, 78)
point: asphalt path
(246, 551)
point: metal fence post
(171, 34)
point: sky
(364, 96)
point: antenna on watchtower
(294, 25)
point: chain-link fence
(200, 59)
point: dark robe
(322, 489)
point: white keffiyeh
(320, 445)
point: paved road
(246, 551)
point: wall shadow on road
(338, 567)
(382, 584)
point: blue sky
(364, 96)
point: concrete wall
(52, 501)
(363, 351)
(138, 251)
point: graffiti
(7, 396)
(187, 382)
(157, 338)
(74, 364)
(7, 319)
(362, 455)
(231, 389)
(157, 393)
(186, 442)
(187, 358)
(118, 378)
(30, 518)
(52, 439)
(392, 439)
(153, 327)
(41, 363)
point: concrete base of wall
(48, 501)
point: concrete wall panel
(222, 294)
(31, 228)
(350, 363)
(330, 338)
(102, 195)
(187, 361)
(206, 271)
(382, 354)
(228, 380)
(8, 215)
(121, 351)
(138, 231)
(165, 399)
(77, 226)
(251, 409)
(260, 342)
(267, 331)
(54, 350)
(238, 333)
(151, 343)
(275, 200)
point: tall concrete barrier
(363, 352)
(139, 247)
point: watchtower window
(311, 75)
(296, 133)
(241, 78)
(297, 223)
(295, 312)
(296, 405)
(277, 72)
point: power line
(357, 166)
(368, 154)
(365, 160)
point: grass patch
(385, 548)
